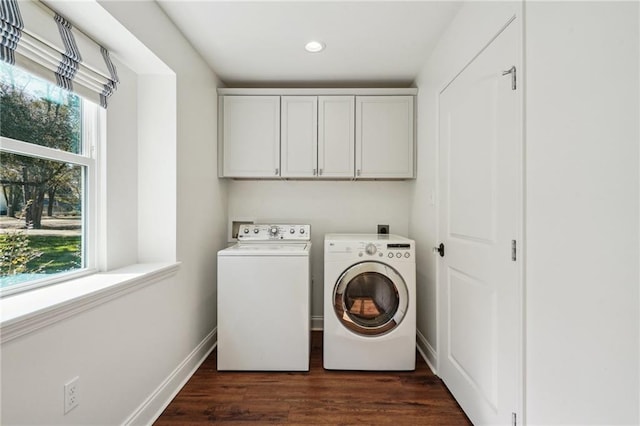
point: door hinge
(513, 419)
(513, 250)
(511, 71)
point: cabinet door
(299, 137)
(336, 136)
(384, 136)
(251, 136)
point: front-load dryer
(369, 302)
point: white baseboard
(426, 350)
(154, 405)
(317, 322)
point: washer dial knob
(273, 230)
(371, 249)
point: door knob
(439, 249)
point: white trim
(47, 279)
(427, 352)
(25, 148)
(151, 409)
(322, 91)
(29, 311)
(317, 322)
(93, 119)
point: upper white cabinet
(384, 137)
(317, 136)
(336, 136)
(299, 137)
(250, 136)
(316, 133)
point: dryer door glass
(370, 298)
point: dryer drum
(370, 298)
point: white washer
(369, 302)
(264, 299)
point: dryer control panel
(382, 250)
(274, 232)
(398, 250)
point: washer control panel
(274, 232)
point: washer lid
(266, 249)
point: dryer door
(370, 298)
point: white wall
(124, 350)
(119, 191)
(582, 201)
(472, 28)
(329, 206)
(582, 192)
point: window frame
(93, 122)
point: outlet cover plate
(71, 395)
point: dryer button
(407, 254)
(390, 254)
(380, 254)
(360, 254)
(398, 255)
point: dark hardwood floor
(315, 397)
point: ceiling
(261, 43)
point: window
(47, 180)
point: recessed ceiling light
(314, 46)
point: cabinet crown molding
(319, 91)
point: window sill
(29, 311)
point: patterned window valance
(45, 43)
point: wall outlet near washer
(71, 395)
(383, 229)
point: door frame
(515, 19)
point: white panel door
(384, 136)
(251, 136)
(299, 137)
(480, 307)
(336, 136)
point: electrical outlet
(71, 395)
(383, 229)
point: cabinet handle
(319, 172)
(314, 172)
(358, 172)
(276, 172)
